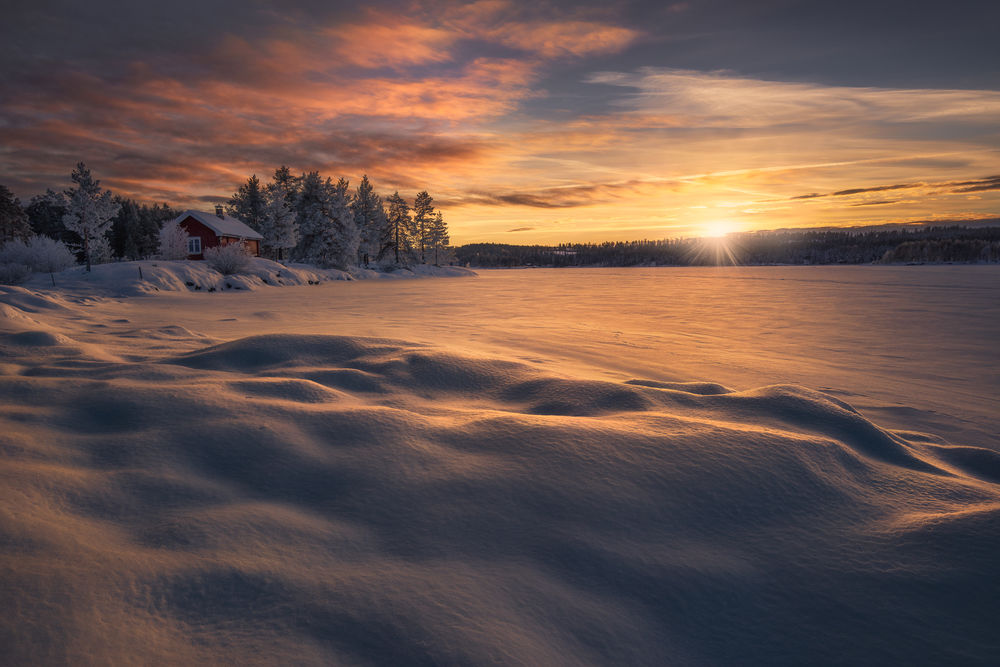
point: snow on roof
(224, 226)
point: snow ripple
(317, 499)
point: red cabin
(206, 230)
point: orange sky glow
(526, 127)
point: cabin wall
(209, 240)
(207, 236)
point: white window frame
(194, 245)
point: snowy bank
(151, 276)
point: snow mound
(316, 499)
(23, 299)
(150, 276)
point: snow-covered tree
(278, 225)
(249, 203)
(370, 219)
(438, 238)
(13, 219)
(173, 241)
(328, 235)
(292, 184)
(100, 250)
(423, 215)
(400, 227)
(89, 211)
(309, 213)
(342, 237)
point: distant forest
(903, 245)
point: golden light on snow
(431, 470)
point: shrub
(173, 242)
(37, 254)
(48, 255)
(228, 259)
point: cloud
(521, 229)
(485, 104)
(556, 39)
(385, 40)
(523, 199)
(979, 185)
(879, 202)
(720, 99)
(877, 188)
(975, 185)
(525, 27)
(403, 92)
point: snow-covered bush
(100, 250)
(13, 274)
(228, 259)
(37, 254)
(173, 242)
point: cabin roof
(224, 226)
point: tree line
(97, 224)
(317, 220)
(906, 245)
(306, 218)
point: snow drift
(324, 499)
(151, 276)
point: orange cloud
(383, 40)
(513, 25)
(558, 39)
(394, 99)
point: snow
(153, 276)
(567, 467)
(223, 226)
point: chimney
(218, 210)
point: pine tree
(338, 244)
(125, 229)
(135, 230)
(400, 226)
(89, 212)
(278, 225)
(437, 237)
(370, 219)
(151, 219)
(292, 184)
(13, 219)
(328, 232)
(423, 211)
(45, 213)
(309, 214)
(249, 202)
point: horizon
(556, 123)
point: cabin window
(194, 245)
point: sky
(537, 122)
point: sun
(717, 229)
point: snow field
(171, 497)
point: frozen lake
(552, 467)
(914, 347)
